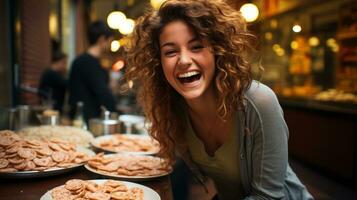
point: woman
(196, 88)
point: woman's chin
(191, 95)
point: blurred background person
(88, 80)
(53, 83)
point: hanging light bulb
(127, 27)
(114, 46)
(314, 41)
(250, 12)
(297, 28)
(115, 19)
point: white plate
(96, 144)
(123, 177)
(36, 174)
(47, 172)
(149, 194)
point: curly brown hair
(211, 20)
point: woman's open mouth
(189, 77)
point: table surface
(34, 188)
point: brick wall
(35, 47)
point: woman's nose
(184, 59)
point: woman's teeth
(188, 74)
(189, 77)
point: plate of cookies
(104, 189)
(128, 166)
(126, 143)
(26, 158)
(71, 134)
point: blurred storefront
(309, 54)
(310, 51)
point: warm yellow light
(124, 41)
(294, 44)
(131, 2)
(250, 12)
(297, 28)
(331, 42)
(335, 48)
(53, 24)
(268, 36)
(274, 23)
(116, 19)
(276, 47)
(114, 46)
(118, 65)
(280, 52)
(156, 3)
(314, 41)
(127, 27)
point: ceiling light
(250, 12)
(114, 46)
(115, 19)
(297, 28)
(127, 27)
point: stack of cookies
(109, 190)
(18, 154)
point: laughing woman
(196, 88)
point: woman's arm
(269, 134)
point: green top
(223, 167)
(263, 149)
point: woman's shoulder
(260, 96)
(262, 107)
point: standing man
(53, 83)
(88, 80)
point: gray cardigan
(263, 153)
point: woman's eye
(197, 47)
(170, 53)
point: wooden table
(34, 188)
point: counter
(323, 135)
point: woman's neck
(204, 107)
(208, 126)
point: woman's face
(188, 63)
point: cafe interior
(308, 52)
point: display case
(310, 53)
(346, 73)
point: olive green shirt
(263, 150)
(223, 167)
